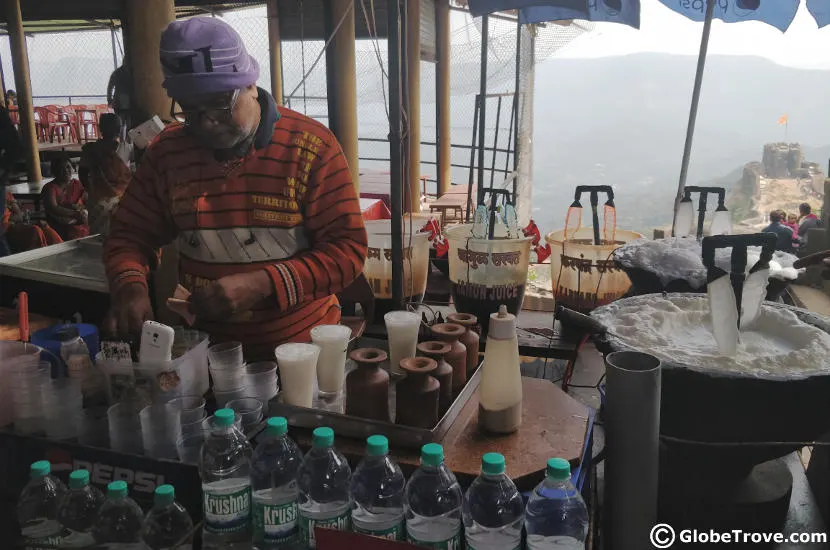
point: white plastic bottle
(37, 508)
(433, 503)
(500, 388)
(377, 493)
(225, 469)
(274, 467)
(167, 522)
(556, 517)
(493, 509)
(78, 510)
(323, 481)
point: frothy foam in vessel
(678, 330)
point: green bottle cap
(492, 464)
(377, 445)
(78, 479)
(558, 469)
(117, 489)
(432, 454)
(322, 437)
(165, 494)
(224, 417)
(277, 425)
(40, 468)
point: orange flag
(782, 120)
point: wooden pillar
(442, 95)
(275, 49)
(413, 103)
(23, 85)
(340, 80)
(146, 20)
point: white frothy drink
(298, 368)
(402, 331)
(333, 341)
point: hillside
(622, 121)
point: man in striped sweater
(258, 198)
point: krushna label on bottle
(275, 524)
(227, 510)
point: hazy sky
(662, 30)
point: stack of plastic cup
(189, 447)
(160, 430)
(227, 368)
(249, 408)
(93, 428)
(261, 380)
(125, 427)
(26, 387)
(62, 406)
(191, 412)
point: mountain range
(621, 121)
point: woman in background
(21, 236)
(64, 200)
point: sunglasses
(192, 114)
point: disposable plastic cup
(93, 428)
(222, 397)
(261, 379)
(249, 408)
(191, 428)
(13, 353)
(298, 372)
(402, 330)
(160, 430)
(333, 341)
(189, 447)
(190, 408)
(228, 379)
(226, 355)
(64, 426)
(125, 428)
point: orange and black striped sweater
(288, 207)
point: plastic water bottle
(493, 509)
(377, 493)
(433, 503)
(274, 467)
(225, 468)
(118, 525)
(78, 510)
(323, 482)
(167, 522)
(556, 516)
(37, 509)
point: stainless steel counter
(75, 264)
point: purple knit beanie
(204, 55)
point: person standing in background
(103, 173)
(806, 221)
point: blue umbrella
(626, 12)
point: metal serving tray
(323, 413)
(75, 264)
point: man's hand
(230, 295)
(129, 309)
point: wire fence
(71, 68)
(67, 67)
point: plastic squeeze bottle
(500, 389)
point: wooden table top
(553, 425)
